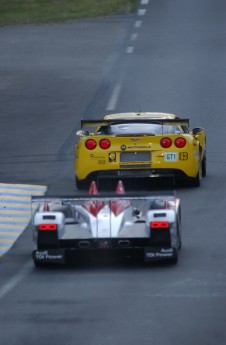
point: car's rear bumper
(72, 255)
(153, 176)
(138, 173)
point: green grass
(44, 11)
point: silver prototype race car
(146, 226)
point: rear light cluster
(47, 227)
(104, 144)
(167, 142)
(91, 144)
(159, 225)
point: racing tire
(81, 184)
(204, 165)
(174, 261)
(195, 182)
(45, 264)
(180, 243)
(39, 264)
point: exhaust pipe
(124, 243)
(84, 244)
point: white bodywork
(89, 219)
(43, 218)
(150, 224)
(106, 224)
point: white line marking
(129, 50)
(11, 227)
(137, 23)
(23, 187)
(9, 234)
(16, 196)
(144, 2)
(191, 295)
(6, 241)
(114, 98)
(15, 280)
(141, 12)
(133, 37)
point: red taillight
(47, 227)
(159, 225)
(105, 144)
(166, 142)
(90, 144)
(180, 142)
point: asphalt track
(168, 57)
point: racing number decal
(183, 156)
(171, 156)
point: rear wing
(171, 195)
(167, 122)
(54, 203)
(101, 216)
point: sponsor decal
(49, 255)
(183, 156)
(139, 147)
(124, 147)
(171, 156)
(163, 253)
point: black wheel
(174, 260)
(204, 165)
(195, 182)
(81, 184)
(39, 264)
(179, 242)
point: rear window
(139, 128)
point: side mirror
(82, 133)
(197, 130)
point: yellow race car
(141, 145)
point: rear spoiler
(166, 122)
(70, 201)
(169, 195)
